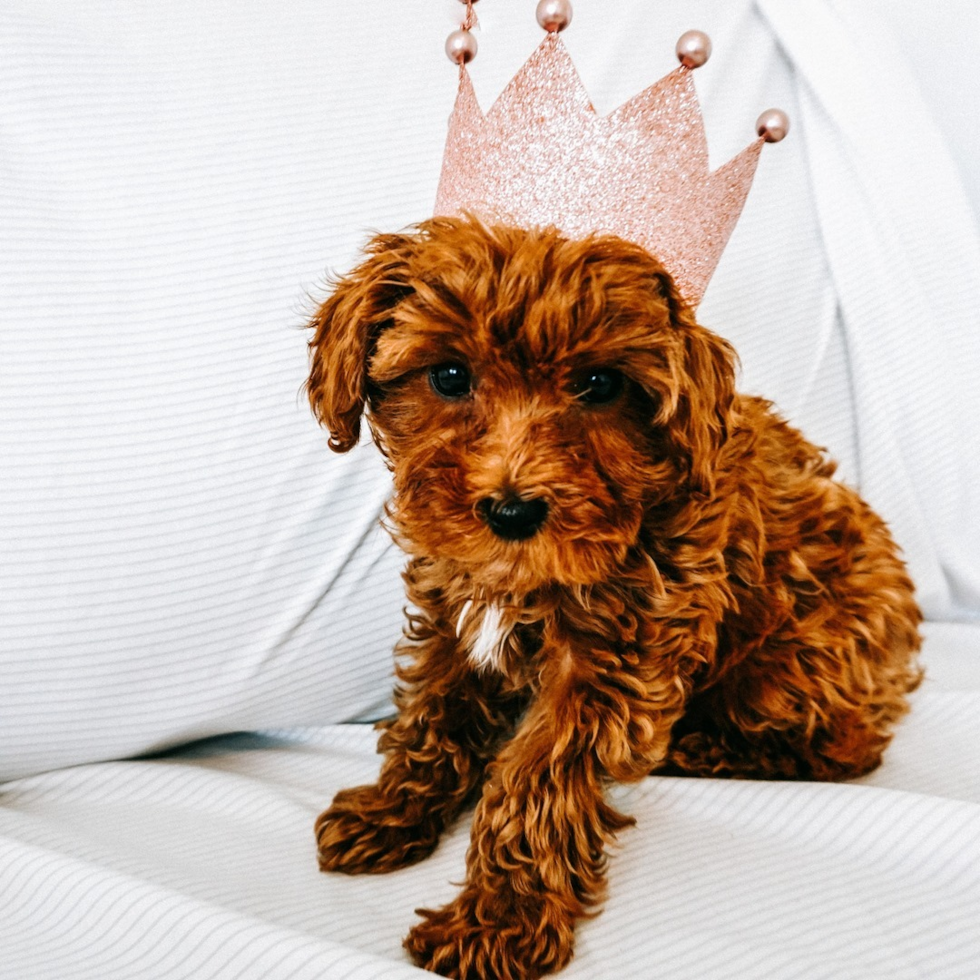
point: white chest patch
(486, 646)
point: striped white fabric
(202, 865)
(181, 556)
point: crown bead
(693, 49)
(554, 15)
(461, 47)
(772, 125)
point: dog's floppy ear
(705, 408)
(346, 327)
(705, 395)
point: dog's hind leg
(794, 712)
(819, 697)
(726, 752)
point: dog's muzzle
(513, 518)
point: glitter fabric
(543, 156)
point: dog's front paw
(494, 936)
(364, 832)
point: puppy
(617, 566)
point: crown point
(772, 125)
(461, 47)
(554, 15)
(693, 49)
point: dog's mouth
(524, 548)
(517, 538)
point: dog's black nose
(513, 519)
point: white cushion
(181, 552)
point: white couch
(197, 605)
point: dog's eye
(598, 386)
(450, 380)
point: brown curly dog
(618, 566)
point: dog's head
(534, 396)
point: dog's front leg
(537, 857)
(449, 722)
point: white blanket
(203, 866)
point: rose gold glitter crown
(542, 156)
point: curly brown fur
(700, 598)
